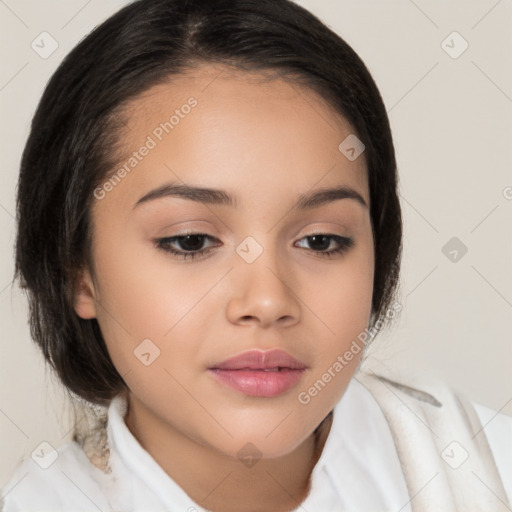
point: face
(183, 283)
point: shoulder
(467, 436)
(54, 480)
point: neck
(221, 483)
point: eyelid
(187, 233)
(325, 228)
(164, 244)
(192, 232)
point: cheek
(341, 294)
(141, 297)
(341, 301)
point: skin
(265, 141)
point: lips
(259, 360)
(260, 373)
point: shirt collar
(128, 452)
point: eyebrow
(221, 197)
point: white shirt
(358, 469)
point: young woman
(209, 235)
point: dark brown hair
(76, 127)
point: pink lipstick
(258, 373)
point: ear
(85, 299)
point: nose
(263, 294)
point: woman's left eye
(191, 245)
(322, 242)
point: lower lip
(259, 382)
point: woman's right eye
(190, 245)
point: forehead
(245, 130)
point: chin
(258, 443)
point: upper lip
(260, 360)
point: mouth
(260, 374)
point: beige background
(452, 124)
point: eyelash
(345, 243)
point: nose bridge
(264, 287)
